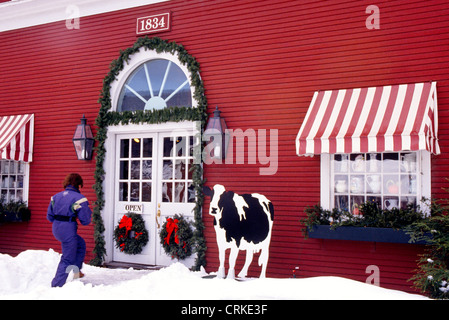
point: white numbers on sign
(152, 23)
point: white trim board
(17, 14)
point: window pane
(155, 84)
(148, 147)
(391, 184)
(356, 202)
(341, 184)
(189, 169)
(408, 201)
(135, 170)
(135, 148)
(357, 163)
(20, 181)
(192, 145)
(135, 191)
(408, 162)
(391, 162)
(373, 183)
(191, 193)
(180, 169)
(167, 171)
(341, 162)
(167, 191)
(408, 183)
(5, 166)
(357, 184)
(374, 162)
(391, 202)
(342, 203)
(168, 147)
(12, 167)
(123, 191)
(5, 181)
(377, 200)
(147, 170)
(146, 191)
(179, 192)
(181, 145)
(124, 148)
(124, 169)
(12, 181)
(21, 169)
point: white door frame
(180, 128)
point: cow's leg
(263, 259)
(221, 257)
(248, 260)
(232, 259)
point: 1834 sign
(155, 23)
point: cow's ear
(208, 191)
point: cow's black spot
(254, 228)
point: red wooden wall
(260, 61)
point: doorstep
(127, 265)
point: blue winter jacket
(69, 203)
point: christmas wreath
(177, 237)
(131, 235)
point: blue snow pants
(73, 251)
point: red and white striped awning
(16, 137)
(377, 119)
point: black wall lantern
(83, 140)
(217, 135)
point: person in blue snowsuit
(64, 208)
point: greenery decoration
(14, 211)
(370, 215)
(130, 235)
(106, 117)
(177, 237)
(432, 275)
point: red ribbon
(127, 223)
(170, 226)
(138, 234)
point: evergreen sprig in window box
(14, 211)
(372, 224)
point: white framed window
(152, 80)
(391, 179)
(155, 84)
(14, 180)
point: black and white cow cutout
(241, 222)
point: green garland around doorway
(106, 118)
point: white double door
(153, 178)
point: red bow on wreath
(127, 223)
(171, 225)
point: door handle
(158, 216)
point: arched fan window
(154, 85)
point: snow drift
(28, 276)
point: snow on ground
(28, 276)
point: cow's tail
(266, 204)
(271, 209)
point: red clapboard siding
(260, 62)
